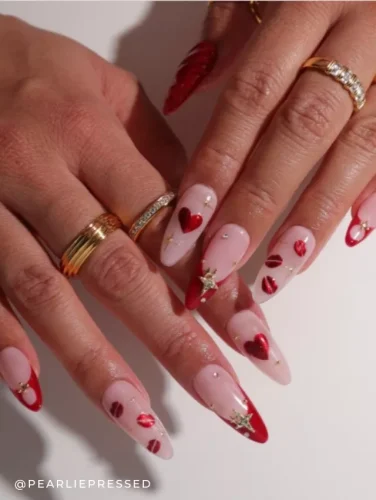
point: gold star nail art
(240, 421)
(208, 281)
(207, 202)
(22, 388)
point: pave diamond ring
(341, 74)
(149, 213)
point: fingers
(262, 79)
(349, 167)
(227, 27)
(18, 361)
(47, 302)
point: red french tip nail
(191, 72)
(357, 232)
(23, 393)
(196, 295)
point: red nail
(195, 67)
(363, 223)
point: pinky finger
(18, 361)
(363, 213)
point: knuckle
(119, 272)
(326, 205)
(361, 135)
(260, 199)
(308, 116)
(81, 118)
(83, 368)
(173, 347)
(254, 90)
(38, 286)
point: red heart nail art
(116, 409)
(189, 222)
(269, 285)
(145, 420)
(258, 347)
(300, 248)
(274, 261)
(154, 445)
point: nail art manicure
(285, 260)
(222, 394)
(21, 379)
(253, 339)
(191, 72)
(128, 408)
(192, 214)
(363, 223)
(223, 254)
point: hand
(272, 124)
(78, 137)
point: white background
(322, 427)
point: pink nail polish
(127, 407)
(285, 260)
(253, 339)
(192, 214)
(222, 394)
(222, 256)
(363, 223)
(21, 379)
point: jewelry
(86, 242)
(254, 6)
(149, 213)
(341, 74)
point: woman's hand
(273, 123)
(78, 137)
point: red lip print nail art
(300, 248)
(274, 261)
(145, 420)
(195, 67)
(269, 285)
(116, 409)
(154, 445)
(258, 347)
(189, 222)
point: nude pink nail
(222, 256)
(192, 214)
(285, 260)
(226, 398)
(21, 379)
(129, 409)
(253, 339)
(363, 223)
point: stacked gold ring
(86, 242)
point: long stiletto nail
(192, 214)
(128, 408)
(253, 339)
(223, 254)
(191, 72)
(21, 379)
(226, 398)
(363, 223)
(285, 260)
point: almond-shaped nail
(363, 223)
(198, 63)
(222, 256)
(284, 261)
(192, 214)
(226, 398)
(129, 409)
(253, 339)
(21, 379)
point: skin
(78, 134)
(273, 123)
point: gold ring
(349, 81)
(254, 6)
(77, 253)
(149, 213)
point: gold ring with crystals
(254, 6)
(341, 74)
(149, 213)
(86, 242)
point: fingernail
(223, 254)
(253, 339)
(226, 398)
(363, 223)
(21, 379)
(126, 406)
(285, 260)
(192, 214)
(191, 72)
